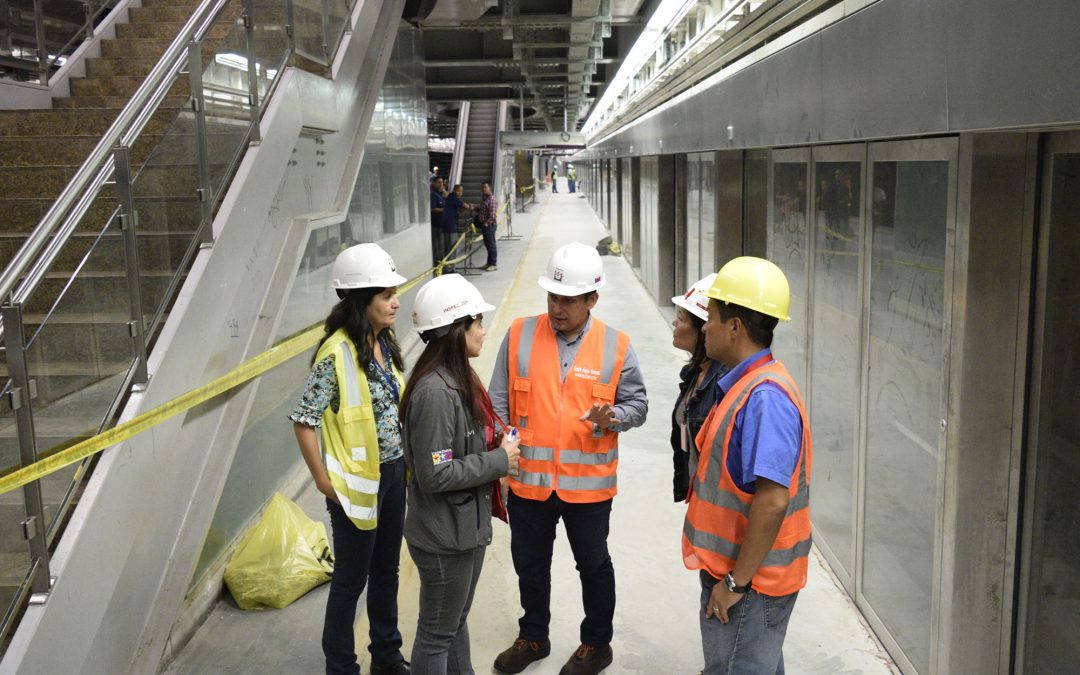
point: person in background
(697, 380)
(352, 398)
(571, 178)
(438, 205)
(570, 384)
(554, 178)
(747, 526)
(449, 428)
(487, 221)
(448, 228)
(434, 174)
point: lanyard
(385, 373)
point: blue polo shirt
(768, 431)
(451, 206)
(437, 202)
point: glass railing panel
(14, 551)
(308, 31)
(65, 29)
(225, 92)
(338, 18)
(78, 347)
(169, 211)
(271, 44)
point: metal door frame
(792, 156)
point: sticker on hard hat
(596, 280)
(558, 274)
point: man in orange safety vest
(569, 383)
(747, 525)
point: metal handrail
(96, 170)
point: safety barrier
(65, 455)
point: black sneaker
(521, 654)
(588, 660)
(399, 668)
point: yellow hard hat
(754, 283)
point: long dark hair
(448, 352)
(351, 314)
(698, 356)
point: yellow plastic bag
(284, 556)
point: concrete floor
(656, 629)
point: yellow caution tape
(59, 457)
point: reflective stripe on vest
(718, 514)
(559, 451)
(350, 440)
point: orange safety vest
(558, 451)
(718, 513)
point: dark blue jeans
(489, 243)
(532, 537)
(363, 556)
(447, 585)
(752, 640)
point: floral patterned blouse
(322, 391)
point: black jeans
(363, 556)
(489, 243)
(532, 536)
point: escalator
(475, 152)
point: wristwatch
(729, 583)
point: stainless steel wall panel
(1012, 64)
(896, 68)
(883, 72)
(993, 264)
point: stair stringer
(124, 563)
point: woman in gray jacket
(449, 426)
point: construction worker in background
(571, 178)
(570, 384)
(747, 524)
(554, 178)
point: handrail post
(129, 221)
(39, 34)
(290, 32)
(326, 32)
(205, 191)
(88, 7)
(23, 391)
(252, 71)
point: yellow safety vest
(350, 442)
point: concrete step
(170, 29)
(156, 250)
(121, 86)
(76, 102)
(161, 213)
(161, 14)
(82, 122)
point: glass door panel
(1051, 621)
(788, 246)
(911, 204)
(836, 348)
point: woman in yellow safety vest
(352, 395)
(449, 427)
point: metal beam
(523, 21)
(531, 140)
(509, 63)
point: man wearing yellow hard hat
(747, 524)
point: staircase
(79, 355)
(478, 159)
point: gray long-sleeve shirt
(631, 402)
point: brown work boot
(588, 660)
(521, 654)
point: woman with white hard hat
(450, 427)
(352, 399)
(697, 380)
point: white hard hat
(573, 269)
(445, 299)
(695, 301)
(365, 266)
